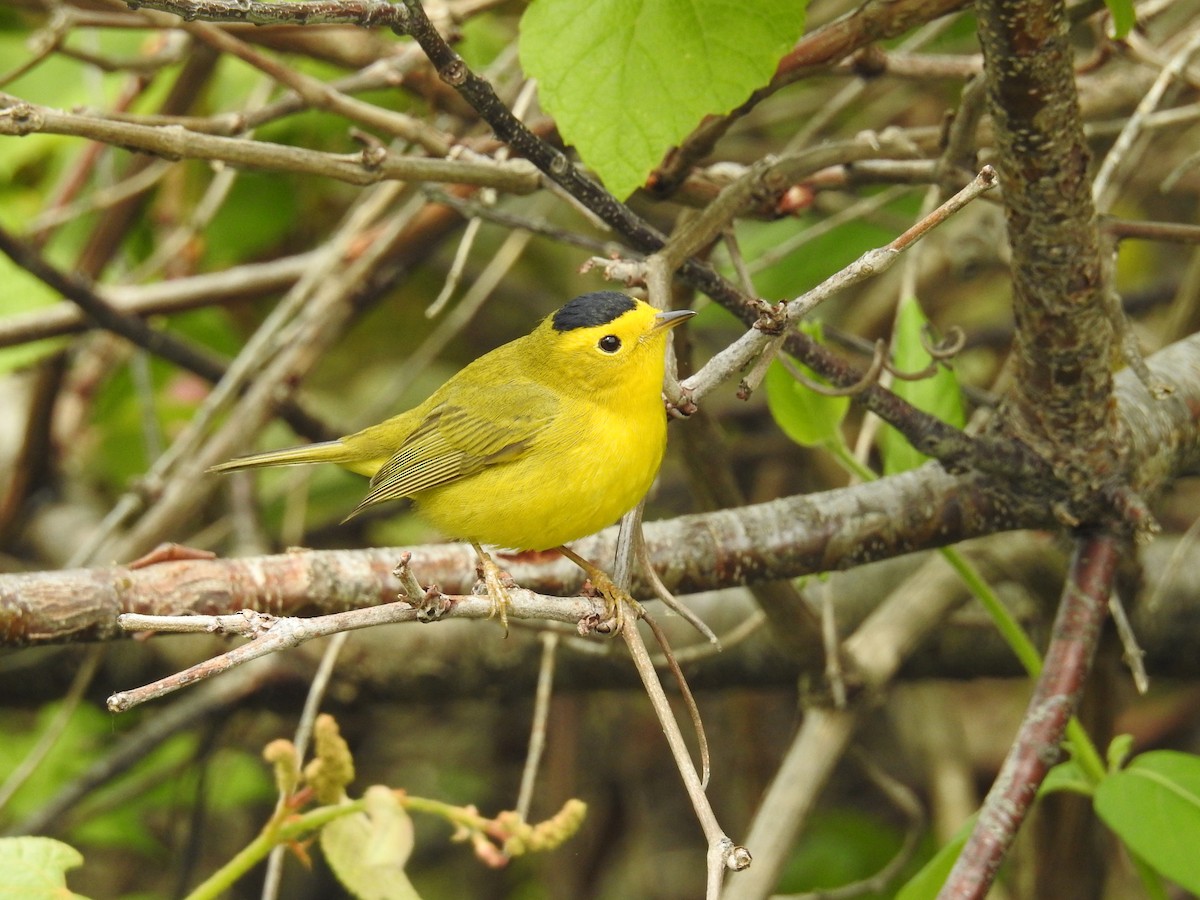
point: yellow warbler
(541, 441)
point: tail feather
(327, 452)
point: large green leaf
(627, 79)
(34, 868)
(1154, 807)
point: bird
(535, 444)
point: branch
(1056, 696)
(1059, 404)
(270, 634)
(373, 165)
(365, 13)
(738, 355)
(723, 853)
(781, 539)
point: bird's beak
(665, 321)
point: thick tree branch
(1081, 614)
(461, 659)
(780, 539)
(1059, 405)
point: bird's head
(605, 341)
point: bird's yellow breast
(582, 474)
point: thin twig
(723, 853)
(1133, 654)
(835, 675)
(689, 699)
(271, 634)
(669, 600)
(744, 630)
(100, 199)
(537, 728)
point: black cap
(596, 308)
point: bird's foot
(618, 604)
(617, 600)
(497, 583)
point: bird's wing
(456, 440)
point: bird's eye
(610, 343)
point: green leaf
(1119, 749)
(808, 418)
(937, 395)
(1123, 17)
(928, 882)
(34, 868)
(627, 79)
(368, 851)
(1154, 807)
(1066, 776)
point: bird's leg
(615, 598)
(497, 582)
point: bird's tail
(327, 452)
